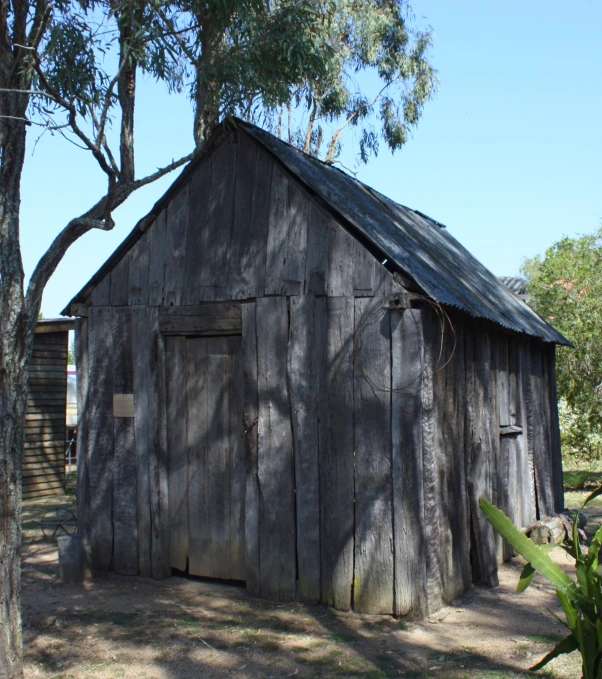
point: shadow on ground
(189, 628)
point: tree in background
(566, 288)
(293, 68)
(369, 37)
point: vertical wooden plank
(431, 464)
(139, 265)
(241, 267)
(339, 282)
(215, 467)
(254, 257)
(316, 264)
(176, 231)
(198, 247)
(247, 265)
(539, 432)
(478, 423)
(498, 469)
(101, 295)
(555, 447)
(436, 333)
(120, 282)
(296, 241)
(277, 232)
(83, 405)
(156, 266)
(334, 355)
(302, 379)
(177, 451)
(506, 467)
(157, 455)
(373, 580)
(199, 483)
(141, 340)
(275, 454)
(406, 432)
(364, 269)
(450, 403)
(461, 538)
(250, 418)
(527, 486)
(237, 460)
(125, 519)
(287, 236)
(502, 381)
(552, 472)
(220, 218)
(100, 450)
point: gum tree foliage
(375, 38)
(566, 288)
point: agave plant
(581, 600)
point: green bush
(581, 440)
(581, 601)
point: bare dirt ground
(190, 628)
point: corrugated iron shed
(414, 244)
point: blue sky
(508, 154)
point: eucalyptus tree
(70, 66)
(378, 80)
(565, 285)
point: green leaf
(528, 549)
(567, 645)
(526, 577)
(569, 610)
(528, 573)
(592, 496)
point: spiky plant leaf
(567, 645)
(528, 549)
(592, 496)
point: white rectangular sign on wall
(123, 405)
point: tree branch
(97, 217)
(72, 114)
(162, 171)
(332, 146)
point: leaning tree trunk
(16, 339)
(13, 397)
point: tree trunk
(12, 404)
(16, 339)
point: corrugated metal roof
(420, 246)
(515, 284)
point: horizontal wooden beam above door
(201, 320)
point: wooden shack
(45, 421)
(289, 380)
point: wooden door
(206, 456)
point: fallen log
(555, 529)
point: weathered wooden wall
(241, 228)
(45, 424)
(369, 434)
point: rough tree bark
(16, 334)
